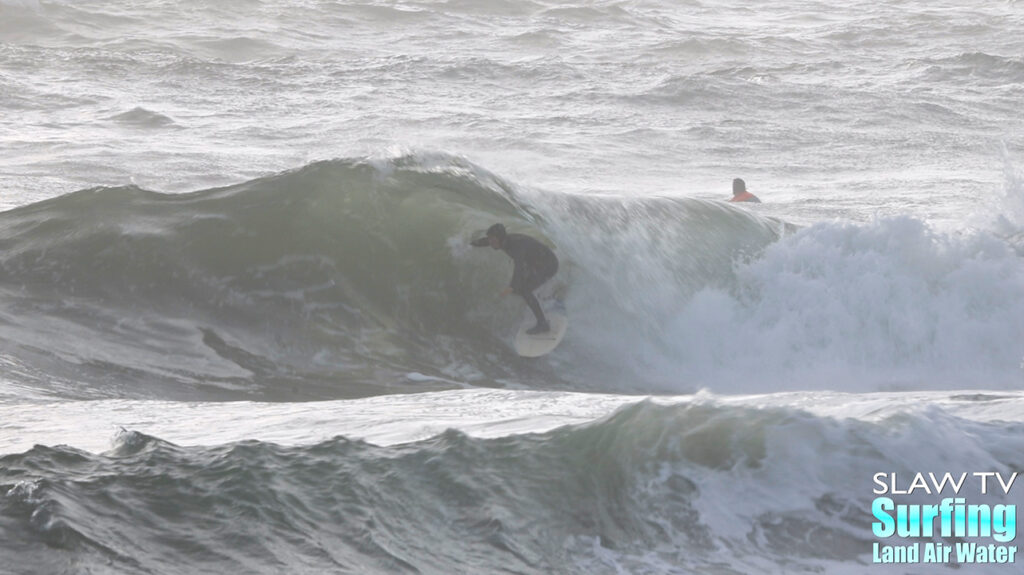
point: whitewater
(242, 328)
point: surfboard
(543, 343)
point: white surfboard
(543, 343)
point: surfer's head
(738, 187)
(496, 236)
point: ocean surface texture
(242, 329)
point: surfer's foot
(541, 327)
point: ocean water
(241, 328)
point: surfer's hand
(505, 292)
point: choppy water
(233, 233)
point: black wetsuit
(535, 264)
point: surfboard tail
(537, 345)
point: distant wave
(975, 68)
(143, 118)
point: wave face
(354, 277)
(649, 489)
(339, 279)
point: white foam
(891, 304)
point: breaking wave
(354, 277)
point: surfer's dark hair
(738, 186)
(496, 231)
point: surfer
(535, 264)
(740, 193)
